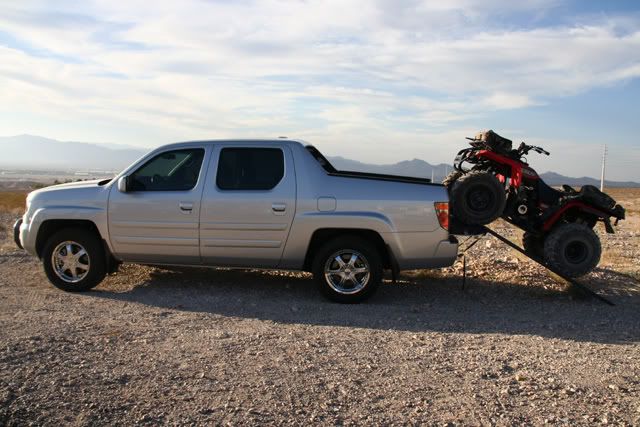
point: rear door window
(250, 168)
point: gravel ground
(152, 346)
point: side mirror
(123, 184)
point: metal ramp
(481, 230)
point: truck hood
(77, 184)
(69, 191)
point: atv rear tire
(451, 178)
(477, 198)
(533, 245)
(572, 250)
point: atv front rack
(481, 230)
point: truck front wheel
(347, 269)
(74, 260)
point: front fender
(32, 224)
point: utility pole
(604, 161)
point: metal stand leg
(464, 271)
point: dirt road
(153, 346)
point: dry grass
(12, 201)
(627, 197)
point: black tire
(451, 178)
(94, 259)
(533, 245)
(326, 256)
(572, 250)
(477, 198)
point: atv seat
(593, 196)
(549, 195)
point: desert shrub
(12, 201)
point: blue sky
(377, 81)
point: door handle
(186, 206)
(279, 207)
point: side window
(176, 170)
(250, 168)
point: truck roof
(256, 141)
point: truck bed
(332, 171)
(382, 177)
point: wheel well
(576, 214)
(323, 235)
(47, 228)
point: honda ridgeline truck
(272, 204)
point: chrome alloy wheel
(347, 271)
(70, 262)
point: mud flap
(395, 267)
(607, 226)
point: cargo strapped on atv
(495, 141)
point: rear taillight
(442, 211)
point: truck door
(156, 219)
(248, 205)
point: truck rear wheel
(573, 250)
(347, 269)
(477, 198)
(74, 260)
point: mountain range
(28, 152)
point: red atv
(558, 224)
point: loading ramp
(480, 231)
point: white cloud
(373, 72)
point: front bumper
(16, 233)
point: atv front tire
(572, 250)
(477, 198)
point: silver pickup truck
(273, 204)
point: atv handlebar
(524, 149)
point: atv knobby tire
(572, 250)
(477, 198)
(451, 178)
(533, 245)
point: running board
(509, 243)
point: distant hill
(422, 169)
(36, 152)
(28, 152)
(553, 178)
(416, 167)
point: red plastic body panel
(515, 165)
(549, 223)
